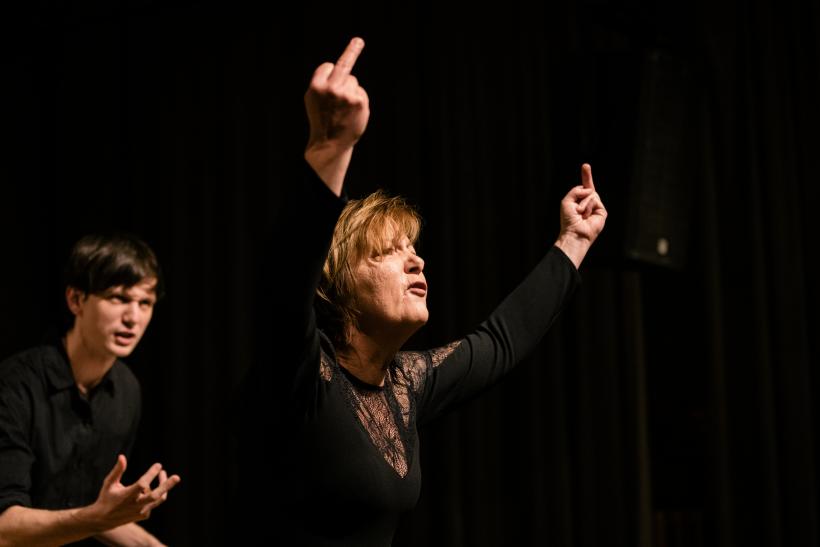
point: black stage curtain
(672, 404)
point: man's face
(111, 324)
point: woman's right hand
(338, 110)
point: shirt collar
(59, 373)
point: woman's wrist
(574, 247)
(330, 164)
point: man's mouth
(124, 338)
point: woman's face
(391, 292)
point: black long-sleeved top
(56, 446)
(337, 458)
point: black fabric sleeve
(16, 456)
(507, 336)
(288, 343)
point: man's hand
(338, 110)
(118, 504)
(583, 216)
(110, 518)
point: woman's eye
(377, 254)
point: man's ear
(74, 298)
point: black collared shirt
(56, 446)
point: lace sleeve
(413, 367)
(410, 374)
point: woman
(344, 403)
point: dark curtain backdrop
(671, 405)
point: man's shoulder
(28, 365)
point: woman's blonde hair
(366, 227)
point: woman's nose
(415, 264)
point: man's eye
(119, 298)
(147, 303)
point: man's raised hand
(118, 504)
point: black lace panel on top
(388, 413)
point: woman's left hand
(583, 216)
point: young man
(69, 409)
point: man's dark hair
(98, 262)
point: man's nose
(131, 314)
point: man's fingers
(166, 486)
(586, 176)
(345, 63)
(152, 498)
(116, 472)
(145, 489)
(145, 481)
(160, 493)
